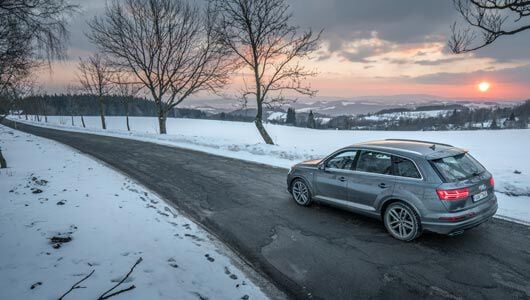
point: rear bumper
(446, 227)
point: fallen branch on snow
(105, 296)
(76, 285)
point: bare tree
(16, 92)
(261, 36)
(30, 29)
(169, 46)
(487, 21)
(125, 89)
(95, 77)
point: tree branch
(106, 294)
(76, 285)
(491, 18)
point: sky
(372, 48)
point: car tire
(402, 222)
(300, 192)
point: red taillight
(492, 181)
(457, 194)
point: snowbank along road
(65, 217)
(316, 252)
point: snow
(502, 152)
(113, 222)
(308, 109)
(277, 116)
(407, 115)
(323, 121)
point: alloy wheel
(301, 193)
(401, 222)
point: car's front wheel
(402, 222)
(300, 192)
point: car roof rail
(419, 141)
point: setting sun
(484, 86)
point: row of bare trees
(170, 49)
(97, 76)
(173, 49)
(31, 31)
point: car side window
(375, 162)
(406, 168)
(343, 160)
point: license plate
(480, 196)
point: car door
(372, 179)
(331, 179)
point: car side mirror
(322, 167)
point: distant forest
(459, 117)
(86, 105)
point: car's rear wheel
(300, 192)
(402, 222)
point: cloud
(360, 50)
(437, 62)
(396, 22)
(517, 75)
(404, 21)
(348, 21)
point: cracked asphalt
(316, 252)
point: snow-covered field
(503, 152)
(51, 190)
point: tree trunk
(127, 115)
(44, 111)
(3, 163)
(259, 125)
(259, 101)
(162, 116)
(83, 121)
(162, 122)
(102, 113)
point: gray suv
(411, 185)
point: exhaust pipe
(459, 232)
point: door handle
(383, 185)
(342, 178)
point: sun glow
(484, 86)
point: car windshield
(458, 167)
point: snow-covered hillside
(504, 153)
(64, 215)
(408, 115)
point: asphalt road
(316, 252)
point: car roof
(425, 149)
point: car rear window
(406, 168)
(457, 168)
